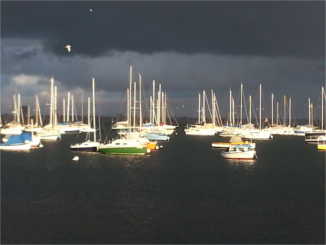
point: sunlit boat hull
(11, 131)
(257, 136)
(18, 147)
(321, 146)
(88, 146)
(227, 145)
(239, 155)
(220, 145)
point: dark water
(186, 193)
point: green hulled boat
(124, 147)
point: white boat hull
(85, 146)
(18, 147)
(11, 131)
(239, 155)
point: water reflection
(246, 163)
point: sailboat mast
(82, 106)
(158, 116)
(18, 108)
(249, 109)
(39, 112)
(322, 107)
(230, 104)
(94, 120)
(165, 108)
(241, 92)
(140, 109)
(89, 112)
(127, 112)
(290, 111)
(28, 115)
(68, 107)
(21, 111)
(130, 94)
(153, 103)
(36, 115)
(272, 109)
(51, 104)
(199, 108)
(15, 108)
(134, 107)
(284, 111)
(309, 114)
(55, 116)
(63, 110)
(260, 106)
(213, 107)
(233, 114)
(204, 107)
(72, 108)
(150, 109)
(312, 114)
(277, 113)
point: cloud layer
(182, 75)
(293, 28)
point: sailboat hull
(124, 151)
(239, 155)
(88, 149)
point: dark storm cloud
(238, 28)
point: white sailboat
(50, 131)
(14, 127)
(257, 134)
(203, 128)
(89, 145)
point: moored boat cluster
(143, 130)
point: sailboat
(50, 131)
(130, 142)
(202, 128)
(37, 125)
(157, 129)
(317, 135)
(88, 145)
(14, 127)
(257, 134)
(24, 141)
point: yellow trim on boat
(321, 146)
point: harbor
(163, 122)
(148, 198)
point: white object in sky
(68, 47)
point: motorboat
(241, 151)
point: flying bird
(68, 47)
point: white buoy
(75, 158)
